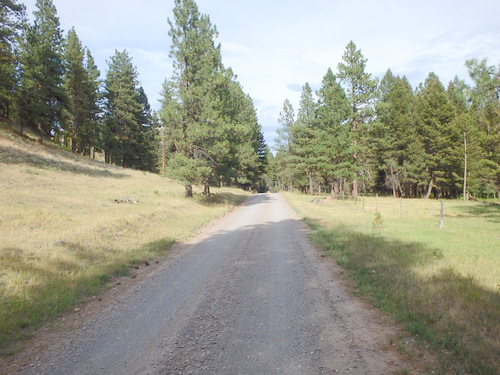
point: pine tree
(392, 133)
(11, 14)
(361, 90)
(435, 116)
(304, 135)
(75, 84)
(146, 139)
(123, 111)
(332, 133)
(485, 109)
(91, 130)
(42, 69)
(197, 67)
(284, 145)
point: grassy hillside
(442, 284)
(68, 224)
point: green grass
(440, 284)
(63, 237)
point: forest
(359, 135)
(356, 135)
(206, 132)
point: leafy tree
(361, 90)
(11, 14)
(42, 69)
(332, 133)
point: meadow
(69, 224)
(441, 283)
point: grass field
(66, 228)
(442, 284)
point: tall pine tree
(10, 24)
(332, 133)
(284, 146)
(42, 70)
(485, 109)
(304, 136)
(127, 116)
(361, 90)
(435, 116)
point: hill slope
(68, 223)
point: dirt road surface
(249, 295)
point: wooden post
(441, 221)
(401, 207)
(376, 202)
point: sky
(276, 46)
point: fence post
(401, 207)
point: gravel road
(249, 295)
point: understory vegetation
(441, 284)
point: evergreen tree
(125, 113)
(435, 116)
(332, 134)
(361, 91)
(210, 123)
(75, 84)
(91, 129)
(42, 69)
(197, 69)
(393, 131)
(284, 145)
(146, 139)
(485, 110)
(305, 150)
(11, 14)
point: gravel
(249, 295)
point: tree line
(357, 134)
(50, 84)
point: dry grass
(442, 284)
(63, 235)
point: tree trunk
(393, 183)
(40, 133)
(189, 191)
(355, 189)
(334, 188)
(429, 190)
(311, 184)
(206, 191)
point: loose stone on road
(250, 295)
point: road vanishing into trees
(249, 295)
